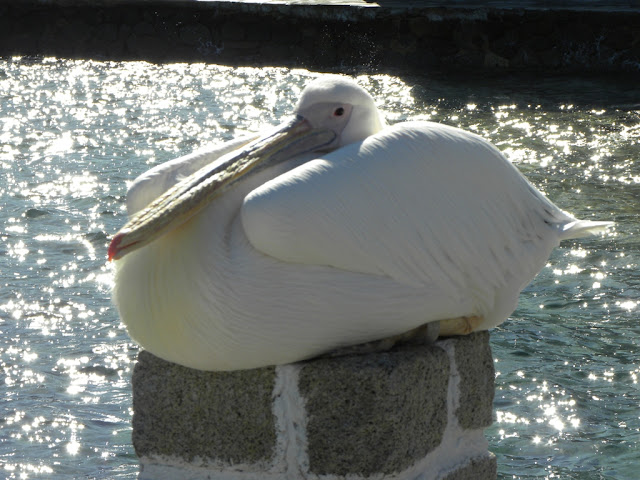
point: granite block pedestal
(414, 412)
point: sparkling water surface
(73, 133)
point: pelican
(333, 230)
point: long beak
(187, 198)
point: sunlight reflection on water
(74, 133)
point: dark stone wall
(327, 37)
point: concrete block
(356, 431)
(477, 374)
(481, 467)
(190, 414)
(414, 412)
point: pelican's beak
(185, 199)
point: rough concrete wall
(190, 414)
(413, 412)
(389, 410)
(398, 37)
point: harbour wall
(388, 36)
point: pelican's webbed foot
(424, 334)
(459, 326)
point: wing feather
(421, 203)
(154, 182)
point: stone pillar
(414, 412)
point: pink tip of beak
(114, 247)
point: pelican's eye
(338, 112)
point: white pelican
(333, 231)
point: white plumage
(396, 227)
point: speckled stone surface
(189, 413)
(477, 469)
(475, 366)
(383, 412)
(413, 410)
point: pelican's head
(337, 103)
(333, 111)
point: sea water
(73, 134)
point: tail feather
(582, 228)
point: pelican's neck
(217, 219)
(174, 293)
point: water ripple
(74, 133)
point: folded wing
(421, 203)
